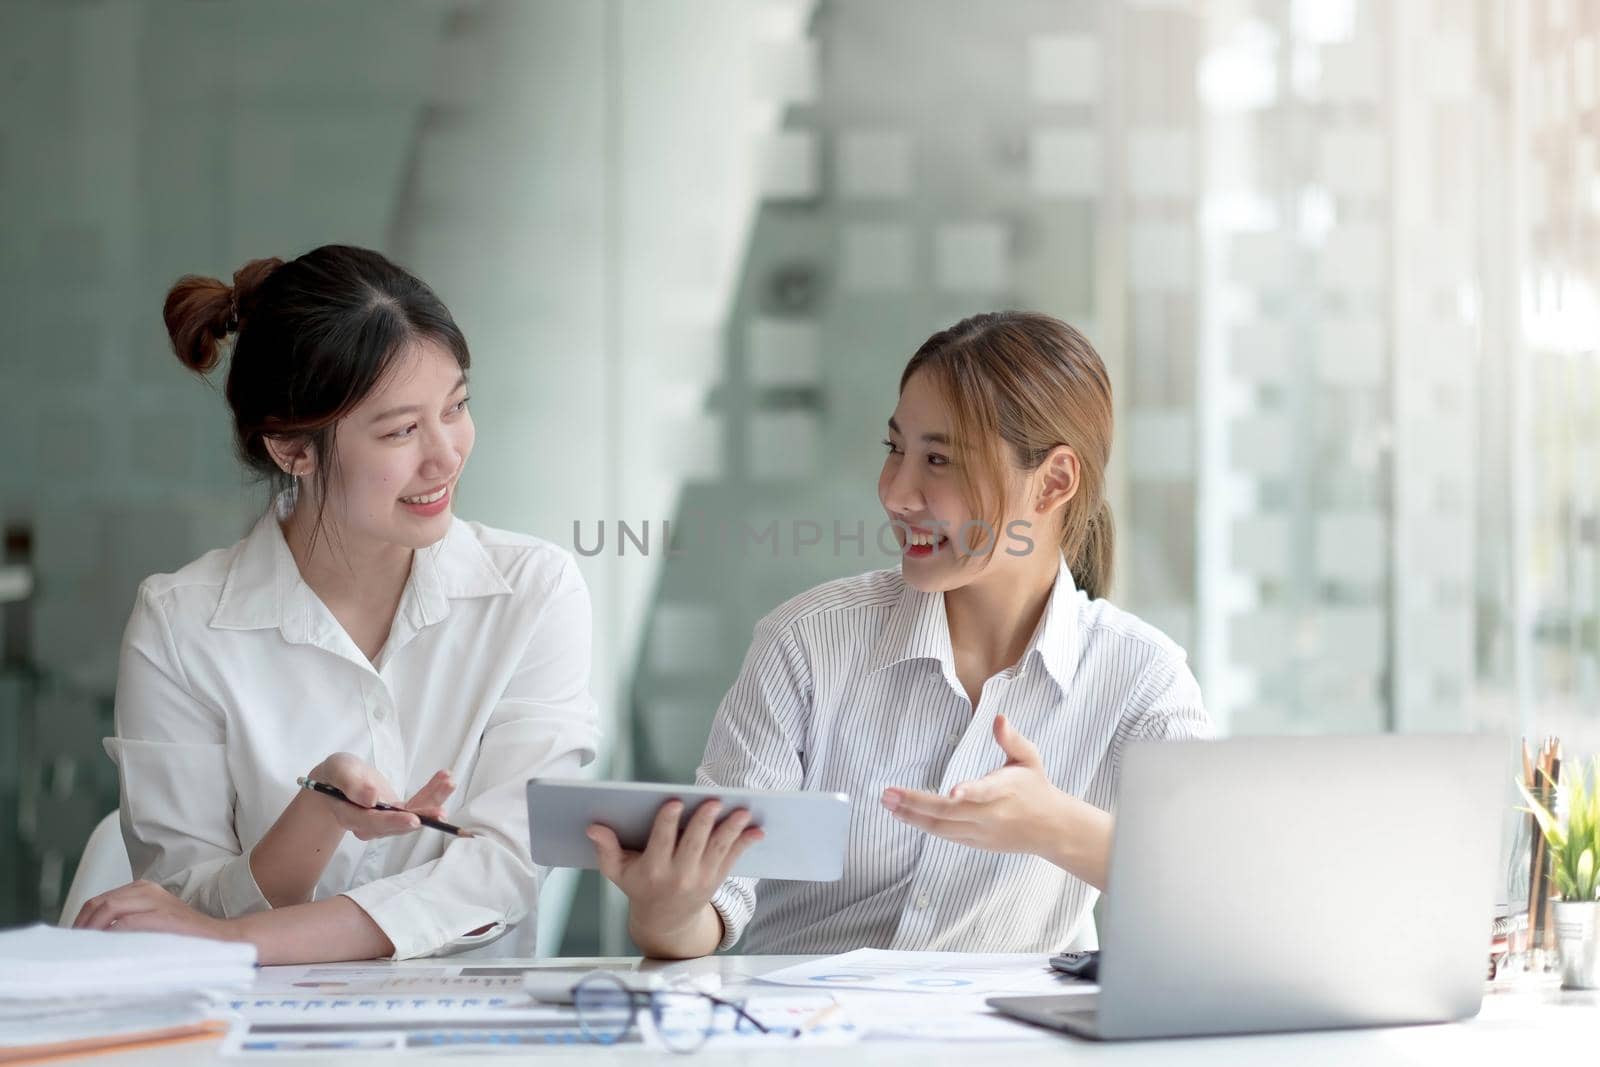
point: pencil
(1541, 931)
(1535, 834)
(1552, 783)
(336, 793)
(1536, 855)
(816, 1018)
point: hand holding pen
(363, 803)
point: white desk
(1535, 1028)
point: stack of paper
(46, 961)
(66, 992)
(32, 1030)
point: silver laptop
(1264, 884)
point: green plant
(1575, 846)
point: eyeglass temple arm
(751, 1019)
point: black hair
(312, 337)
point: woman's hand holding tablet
(669, 884)
(669, 848)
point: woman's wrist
(317, 811)
(1077, 838)
(698, 935)
(287, 862)
(326, 931)
(240, 930)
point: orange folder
(205, 1030)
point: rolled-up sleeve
(756, 742)
(177, 796)
(1164, 705)
(544, 724)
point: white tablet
(805, 831)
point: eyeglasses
(684, 1018)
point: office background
(1340, 256)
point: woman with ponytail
(975, 701)
(360, 636)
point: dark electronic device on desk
(1082, 965)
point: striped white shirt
(851, 688)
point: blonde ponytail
(1092, 560)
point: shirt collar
(264, 588)
(918, 628)
(1057, 641)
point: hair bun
(196, 313)
(201, 312)
(247, 282)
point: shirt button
(379, 712)
(922, 901)
(954, 737)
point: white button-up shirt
(236, 679)
(852, 688)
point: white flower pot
(1578, 935)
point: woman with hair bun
(975, 700)
(360, 636)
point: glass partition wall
(1337, 255)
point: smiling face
(401, 452)
(945, 539)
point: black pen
(338, 794)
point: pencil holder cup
(1578, 936)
